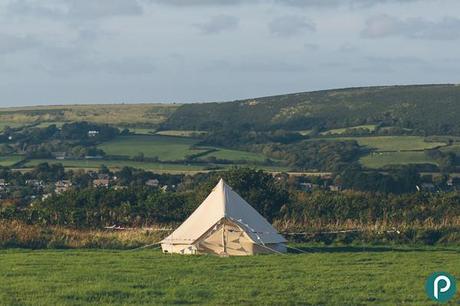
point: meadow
(394, 143)
(322, 276)
(164, 147)
(8, 161)
(380, 159)
(171, 148)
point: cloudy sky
(112, 51)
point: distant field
(4, 124)
(101, 113)
(369, 127)
(182, 133)
(163, 147)
(236, 155)
(170, 148)
(8, 161)
(380, 159)
(323, 276)
(154, 167)
(92, 164)
(393, 143)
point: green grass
(369, 127)
(8, 161)
(236, 155)
(168, 148)
(323, 276)
(380, 159)
(163, 147)
(4, 124)
(393, 143)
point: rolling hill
(423, 109)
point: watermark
(441, 286)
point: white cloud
(291, 25)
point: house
(93, 133)
(103, 176)
(3, 183)
(152, 183)
(62, 186)
(104, 183)
(59, 155)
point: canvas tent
(224, 224)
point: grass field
(163, 147)
(236, 155)
(8, 161)
(393, 143)
(4, 124)
(380, 159)
(323, 276)
(168, 148)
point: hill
(419, 109)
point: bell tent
(224, 224)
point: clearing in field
(235, 155)
(377, 160)
(323, 276)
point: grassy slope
(103, 113)
(326, 276)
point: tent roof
(221, 203)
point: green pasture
(322, 276)
(236, 155)
(393, 143)
(4, 124)
(380, 159)
(170, 148)
(10, 160)
(163, 147)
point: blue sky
(132, 51)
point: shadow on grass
(367, 249)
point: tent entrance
(226, 239)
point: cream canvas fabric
(226, 223)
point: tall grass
(15, 234)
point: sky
(141, 51)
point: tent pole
(223, 238)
